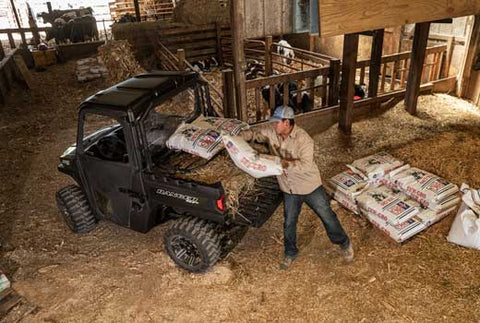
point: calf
(299, 107)
(205, 65)
(285, 49)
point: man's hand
(286, 163)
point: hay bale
(118, 58)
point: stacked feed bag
(89, 69)
(388, 206)
(465, 230)
(376, 166)
(205, 143)
(400, 232)
(344, 188)
(429, 190)
(247, 159)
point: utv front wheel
(75, 210)
(193, 244)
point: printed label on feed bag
(387, 205)
(231, 126)
(205, 143)
(348, 182)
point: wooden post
(137, 10)
(11, 41)
(347, 86)
(420, 40)
(448, 58)
(49, 7)
(268, 56)
(470, 54)
(312, 43)
(375, 62)
(218, 35)
(228, 94)
(334, 80)
(393, 78)
(33, 26)
(181, 59)
(2, 51)
(12, 2)
(237, 12)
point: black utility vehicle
(126, 174)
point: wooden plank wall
(268, 18)
(199, 42)
(349, 16)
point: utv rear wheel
(75, 210)
(193, 244)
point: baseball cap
(282, 112)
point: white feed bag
(231, 126)
(348, 182)
(247, 159)
(376, 166)
(400, 232)
(346, 201)
(386, 205)
(430, 190)
(205, 143)
(465, 230)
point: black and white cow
(286, 51)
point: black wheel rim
(185, 251)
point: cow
(205, 65)
(76, 30)
(285, 50)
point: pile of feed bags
(89, 69)
(465, 230)
(203, 136)
(398, 199)
(249, 160)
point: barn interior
(419, 65)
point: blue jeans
(320, 204)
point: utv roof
(132, 94)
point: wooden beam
(347, 86)
(375, 62)
(237, 12)
(419, 46)
(339, 17)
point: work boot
(286, 262)
(348, 253)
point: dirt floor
(117, 275)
